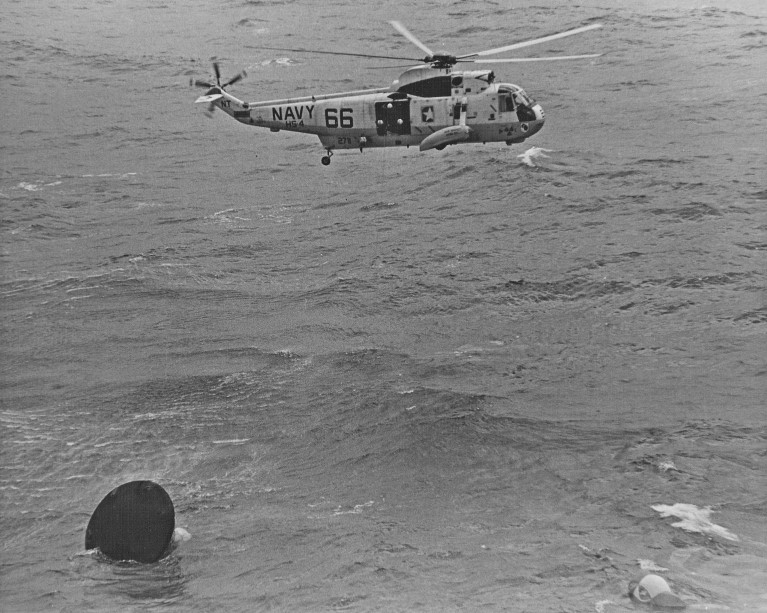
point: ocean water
(488, 378)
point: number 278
(336, 119)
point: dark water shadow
(160, 583)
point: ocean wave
(564, 290)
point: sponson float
(431, 105)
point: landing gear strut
(326, 158)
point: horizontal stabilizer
(445, 136)
(208, 99)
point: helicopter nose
(540, 119)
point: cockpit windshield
(511, 96)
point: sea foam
(534, 152)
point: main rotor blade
(200, 83)
(217, 70)
(533, 59)
(238, 77)
(534, 41)
(379, 57)
(407, 34)
(393, 66)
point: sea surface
(484, 379)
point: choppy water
(405, 382)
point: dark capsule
(135, 521)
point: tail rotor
(215, 90)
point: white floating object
(694, 519)
(180, 535)
(653, 589)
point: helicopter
(431, 104)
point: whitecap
(110, 175)
(651, 566)
(30, 187)
(358, 508)
(693, 519)
(666, 466)
(224, 217)
(280, 61)
(533, 153)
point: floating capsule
(653, 589)
(135, 521)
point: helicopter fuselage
(425, 107)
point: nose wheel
(326, 158)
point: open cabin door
(393, 117)
(456, 113)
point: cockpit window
(516, 96)
(505, 103)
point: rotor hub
(441, 60)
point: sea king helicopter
(431, 105)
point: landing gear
(326, 158)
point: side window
(506, 103)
